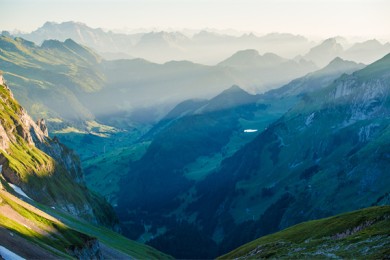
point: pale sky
(366, 18)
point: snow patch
(250, 130)
(9, 255)
(19, 191)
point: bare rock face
(31, 132)
(2, 82)
(90, 250)
(46, 170)
(42, 125)
(4, 140)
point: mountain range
(195, 160)
(161, 47)
(206, 47)
(102, 165)
(66, 82)
(188, 155)
(365, 52)
(321, 153)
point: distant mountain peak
(326, 51)
(336, 60)
(339, 64)
(48, 24)
(369, 44)
(269, 55)
(67, 23)
(231, 97)
(233, 89)
(251, 58)
(330, 41)
(52, 44)
(234, 93)
(246, 53)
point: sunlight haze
(312, 18)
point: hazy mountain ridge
(300, 151)
(63, 70)
(315, 80)
(172, 45)
(191, 197)
(259, 71)
(220, 180)
(187, 173)
(163, 46)
(69, 84)
(363, 52)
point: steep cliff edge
(43, 168)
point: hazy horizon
(322, 19)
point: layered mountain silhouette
(364, 52)
(190, 151)
(254, 66)
(196, 159)
(70, 82)
(171, 45)
(302, 151)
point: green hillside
(56, 234)
(60, 70)
(362, 234)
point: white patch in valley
(250, 130)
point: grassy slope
(109, 237)
(63, 230)
(61, 70)
(41, 229)
(359, 234)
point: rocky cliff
(44, 169)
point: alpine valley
(140, 146)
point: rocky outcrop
(63, 156)
(4, 140)
(2, 82)
(89, 250)
(46, 170)
(42, 125)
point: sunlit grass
(347, 235)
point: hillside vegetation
(362, 234)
